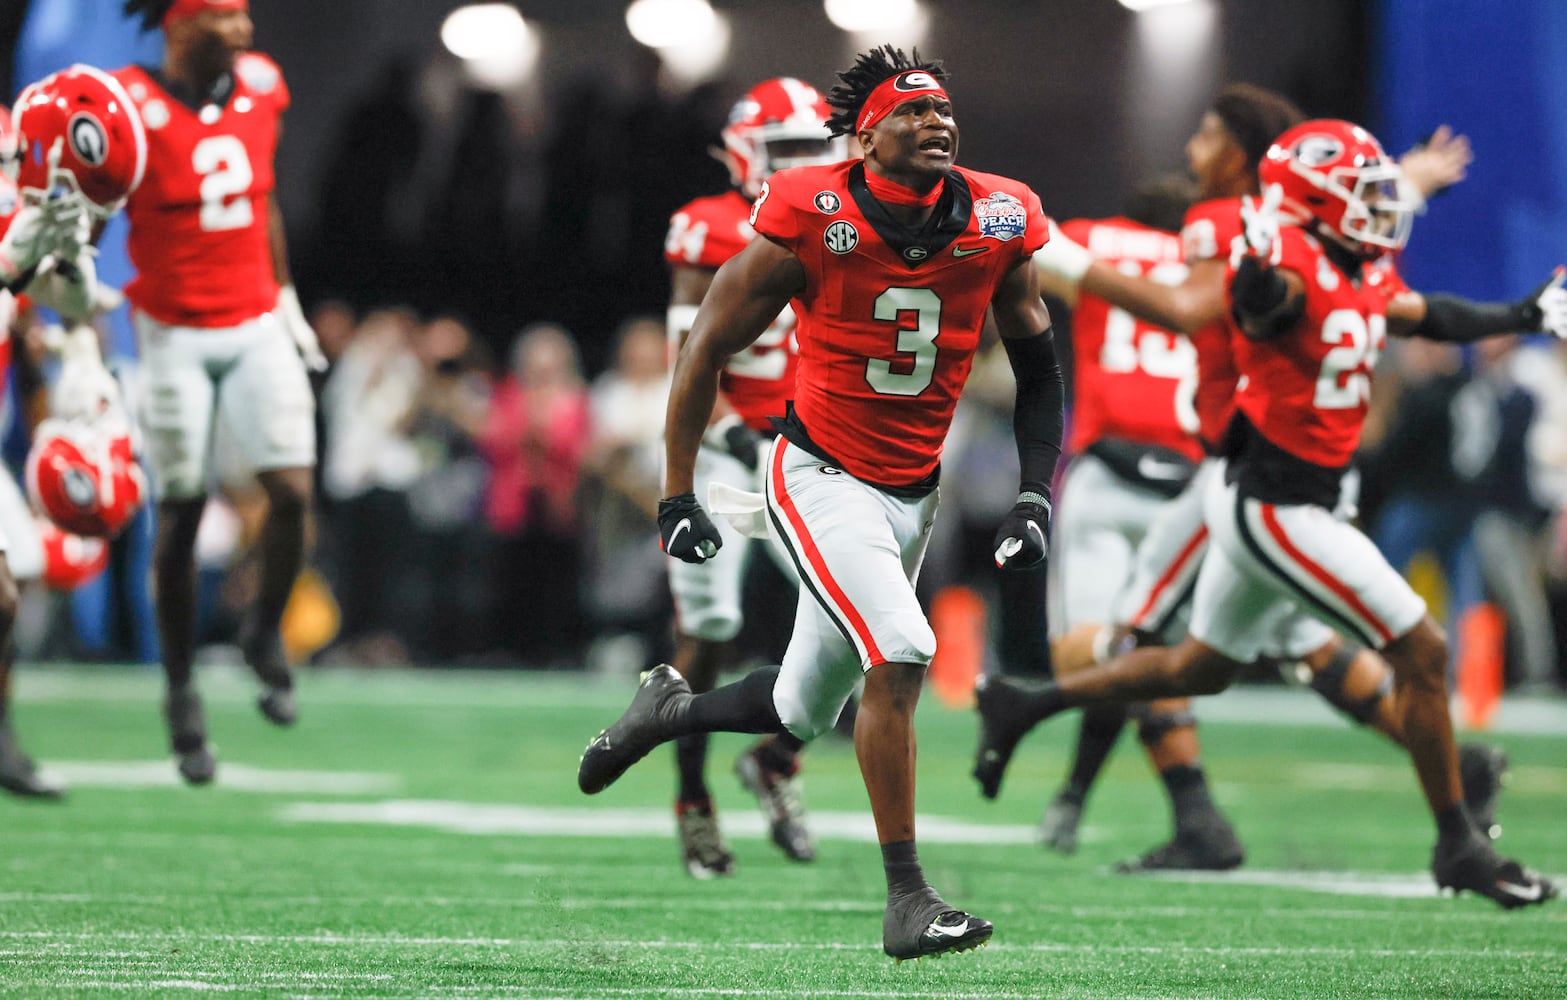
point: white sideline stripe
(476, 818)
(235, 777)
(580, 943)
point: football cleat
(1483, 770)
(921, 925)
(1002, 723)
(1058, 827)
(188, 736)
(779, 797)
(649, 721)
(1474, 866)
(701, 843)
(263, 652)
(18, 774)
(1211, 846)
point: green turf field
(421, 835)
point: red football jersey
(1126, 373)
(887, 331)
(1209, 228)
(758, 380)
(1307, 390)
(199, 219)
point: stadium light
(667, 24)
(872, 15)
(1142, 5)
(498, 47)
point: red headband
(894, 90)
(181, 9)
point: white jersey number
(224, 168)
(1157, 352)
(918, 341)
(1344, 381)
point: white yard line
(234, 777)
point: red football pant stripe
(1351, 599)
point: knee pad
(1154, 726)
(1329, 683)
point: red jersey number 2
(224, 168)
(917, 342)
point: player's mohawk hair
(150, 11)
(870, 68)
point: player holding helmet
(220, 330)
(1313, 300)
(779, 123)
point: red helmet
(10, 145)
(85, 479)
(70, 560)
(779, 123)
(1335, 172)
(103, 148)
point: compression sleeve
(1456, 320)
(1038, 418)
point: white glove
(1260, 221)
(1063, 258)
(58, 226)
(71, 288)
(299, 328)
(85, 391)
(1552, 302)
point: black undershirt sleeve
(1260, 301)
(1038, 418)
(1456, 320)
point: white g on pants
(250, 375)
(857, 551)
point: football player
(779, 123)
(221, 333)
(40, 235)
(893, 263)
(1223, 154)
(1313, 301)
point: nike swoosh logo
(952, 932)
(1152, 468)
(1529, 894)
(968, 252)
(684, 524)
(1035, 529)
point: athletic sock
(902, 863)
(780, 754)
(1188, 788)
(691, 766)
(1096, 737)
(746, 706)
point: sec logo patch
(841, 237)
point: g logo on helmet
(1315, 150)
(79, 487)
(89, 140)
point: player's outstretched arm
(1037, 417)
(1458, 320)
(747, 294)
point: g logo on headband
(914, 81)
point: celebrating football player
(1313, 298)
(779, 123)
(1223, 154)
(221, 333)
(893, 264)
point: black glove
(684, 530)
(1020, 541)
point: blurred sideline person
(1223, 154)
(221, 334)
(1313, 296)
(893, 263)
(779, 123)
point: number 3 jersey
(199, 238)
(891, 316)
(1306, 391)
(757, 381)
